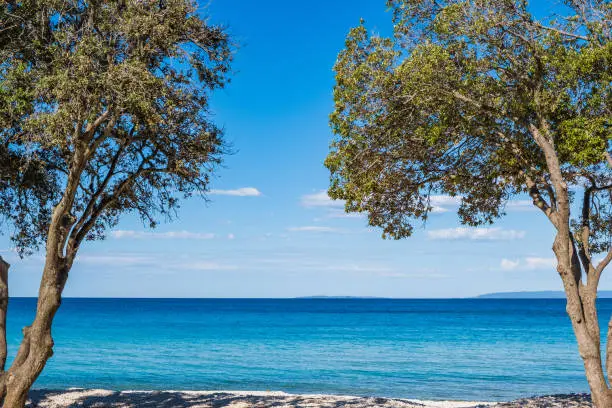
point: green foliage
(104, 107)
(449, 105)
(583, 141)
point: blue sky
(269, 229)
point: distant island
(547, 294)
(544, 294)
(340, 297)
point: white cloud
(239, 192)
(445, 203)
(119, 234)
(509, 265)
(540, 263)
(439, 210)
(367, 268)
(231, 236)
(205, 266)
(312, 228)
(320, 199)
(520, 205)
(528, 264)
(444, 200)
(415, 275)
(376, 269)
(115, 260)
(148, 261)
(440, 203)
(336, 213)
(465, 233)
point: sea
(459, 349)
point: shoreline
(78, 397)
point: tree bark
(581, 299)
(581, 307)
(591, 355)
(37, 345)
(4, 295)
(609, 351)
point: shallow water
(476, 349)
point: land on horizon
(544, 294)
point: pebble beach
(244, 399)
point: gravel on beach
(238, 399)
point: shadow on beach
(182, 399)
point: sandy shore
(246, 399)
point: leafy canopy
(104, 109)
(453, 102)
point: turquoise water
(427, 349)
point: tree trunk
(4, 295)
(581, 309)
(581, 299)
(609, 351)
(591, 355)
(37, 345)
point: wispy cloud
(353, 267)
(445, 203)
(464, 233)
(313, 228)
(115, 260)
(320, 199)
(509, 265)
(128, 260)
(120, 234)
(368, 268)
(528, 264)
(338, 213)
(239, 192)
(520, 205)
(440, 203)
(206, 266)
(415, 275)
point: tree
(103, 111)
(481, 100)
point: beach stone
(562, 400)
(246, 399)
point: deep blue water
(427, 349)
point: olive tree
(482, 100)
(104, 110)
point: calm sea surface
(427, 349)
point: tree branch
(608, 158)
(562, 32)
(110, 199)
(538, 200)
(92, 127)
(95, 196)
(604, 262)
(585, 233)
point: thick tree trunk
(582, 311)
(4, 295)
(609, 351)
(581, 298)
(590, 352)
(37, 345)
